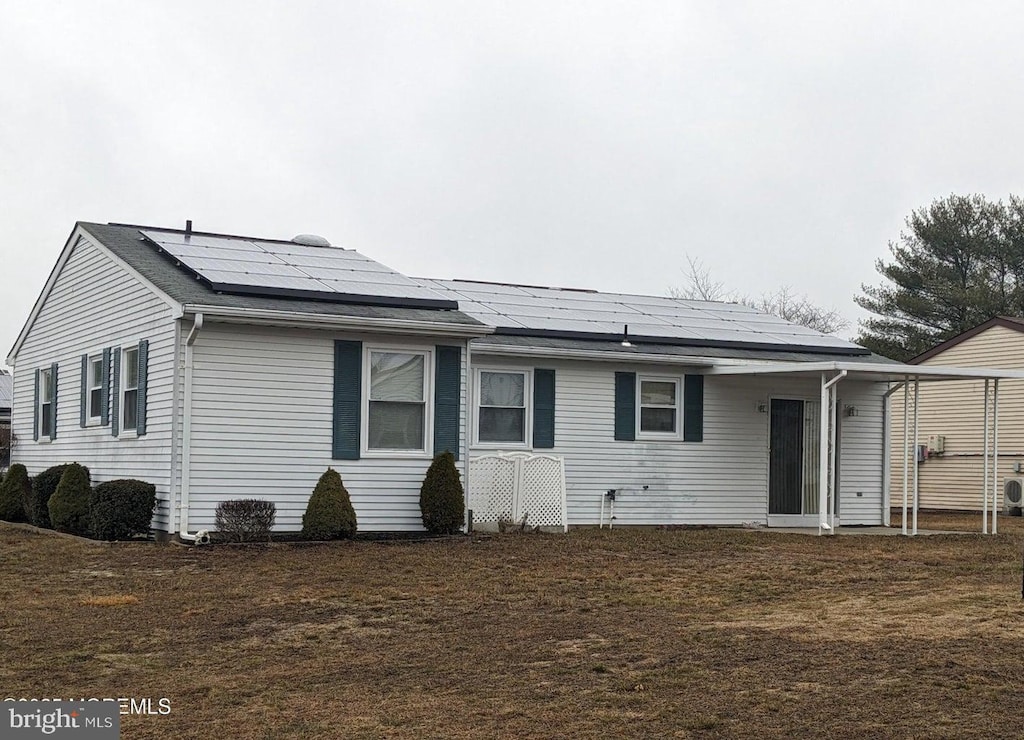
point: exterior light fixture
(625, 336)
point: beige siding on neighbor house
(96, 303)
(955, 409)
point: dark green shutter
(447, 392)
(140, 407)
(83, 412)
(348, 374)
(115, 405)
(53, 402)
(105, 390)
(693, 408)
(543, 408)
(35, 410)
(625, 406)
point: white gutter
(186, 438)
(232, 314)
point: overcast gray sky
(587, 144)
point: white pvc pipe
(995, 455)
(917, 447)
(906, 447)
(984, 454)
(186, 437)
(468, 411)
(823, 467)
(600, 522)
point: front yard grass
(629, 633)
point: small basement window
(659, 406)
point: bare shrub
(246, 519)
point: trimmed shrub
(442, 499)
(122, 508)
(329, 513)
(69, 505)
(246, 519)
(43, 487)
(14, 491)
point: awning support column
(984, 454)
(887, 454)
(906, 446)
(995, 455)
(917, 447)
(825, 463)
(832, 404)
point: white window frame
(527, 442)
(123, 391)
(428, 402)
(678, 381)
(45, 382)
(92, 385)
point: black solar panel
(285, 269)
(525, 309)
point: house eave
(302, 320)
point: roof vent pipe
(188, 226)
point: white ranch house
(221, 367)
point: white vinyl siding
(722, 480)
(96, 303)
(262, 414)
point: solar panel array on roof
(286, 269)
(581, 313)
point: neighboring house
(952, 428)
(6, 402)
(222, 367)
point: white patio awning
(897, 375)
(869, 371)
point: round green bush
(121, 509)
(329, 513)
(43, 487)
(14, 491)
(442, 499)
(69, 504)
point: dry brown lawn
(630, 633)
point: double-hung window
(502, 416)
(95, 389)
(397, 400)
(659, 406)
(46, 395)
(130, 390)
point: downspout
(824, 474)
(468, 416)
(202, 536)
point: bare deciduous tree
(784, 302)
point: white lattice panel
(512, 485)
(542, 491)
(492, 484)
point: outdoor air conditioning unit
(1013, 496)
